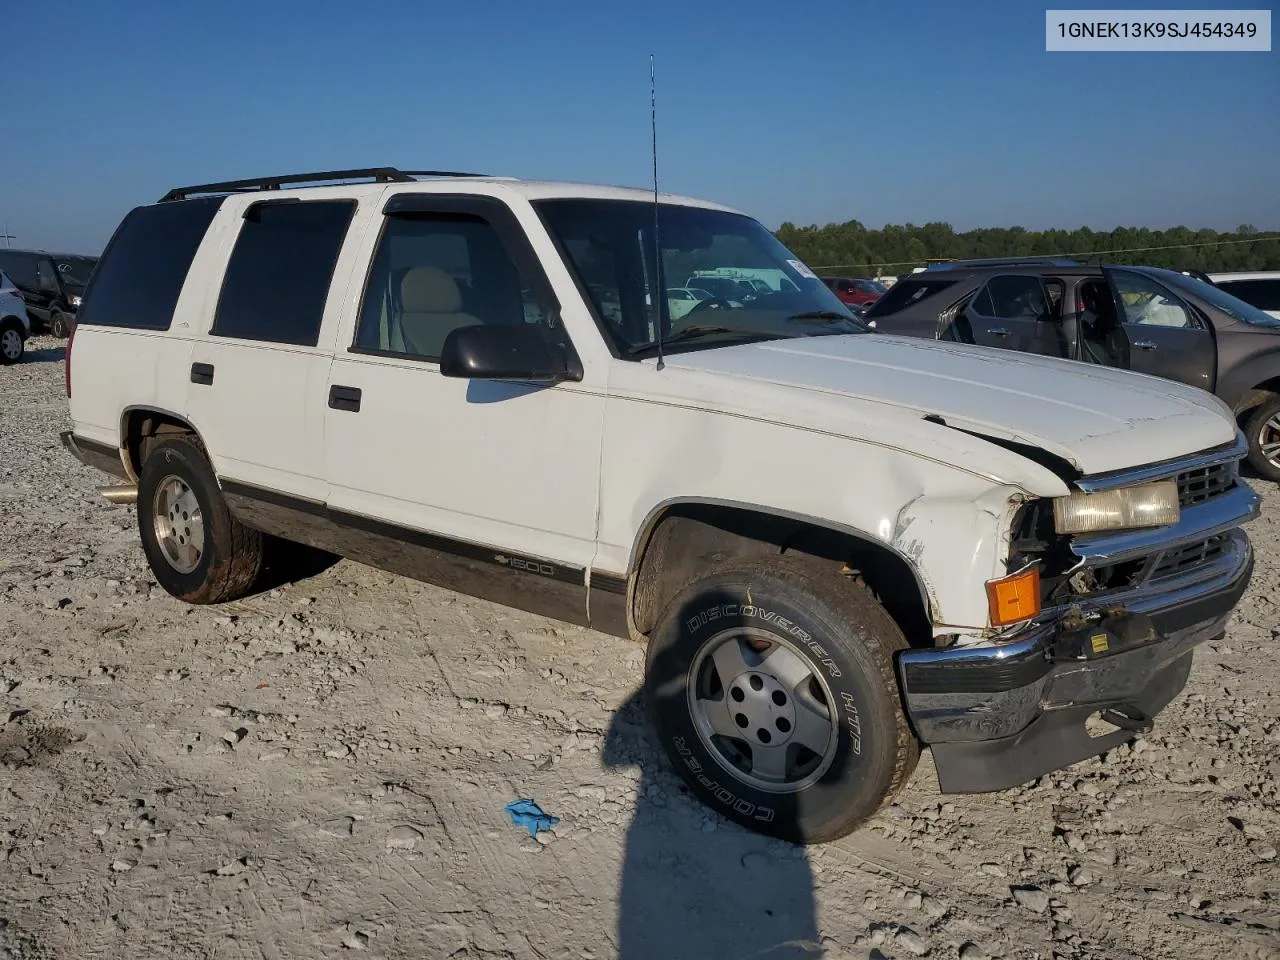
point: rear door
(1017, 312)
(259, 376)
(1167, 338)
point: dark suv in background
(1153, 321)
(50, 283)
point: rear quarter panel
(118, 369)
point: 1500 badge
(525, 566)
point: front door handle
(344, 398)
(202, 373)
(998, 331)
(1144, 344)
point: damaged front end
(1120, 614)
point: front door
(488, 487)
(1166, 337)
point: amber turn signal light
(1015, 598)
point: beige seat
(430, 306)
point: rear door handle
(344, 398)
(998, 331)
(1144, 344)
(202, 373)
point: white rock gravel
(322, 767)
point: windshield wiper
(698, 330)
(824, 316)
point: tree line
(852, 249)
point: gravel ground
(322, 768)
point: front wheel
(12, 343)
(1263, 433)
(58, 324)
(197, 550)
(772, 689)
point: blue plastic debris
(526, 813)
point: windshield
(75, 271)
(747, 285)
(1233, 307)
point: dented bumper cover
(999, 715)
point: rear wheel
(1263, 433)
(58, 324)
(197, 550)
(12, 342)
(771, 686)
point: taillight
(71, 338)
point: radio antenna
(657, 247)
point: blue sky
(813, 112)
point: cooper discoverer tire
(1263, 434)
(747, 664)
(197, 550)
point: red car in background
(855, 291)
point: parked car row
(837, 546)
(50, 284)
(1145, 319)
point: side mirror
(524, 351)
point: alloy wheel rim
(762, 710)
(11, 344)
(178, 524)
(1269, 440)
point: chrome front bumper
(1002, 714)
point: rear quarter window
(907, 293)
(278, 278)
(138, 279)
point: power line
(1089, 253)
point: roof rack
(374, 174)
(942, 264)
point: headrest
(429, 290)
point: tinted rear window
(137, 282)
(1263, 294)
(280, 270)
(906, 293)
(21, 268)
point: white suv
(15, 325)
(837, 545)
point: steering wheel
(713, 303)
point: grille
(1197, 486)
(1192, 555)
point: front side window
(434, 273)
(1146, 302)
(278, 278)
(750, 286)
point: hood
(1096, 418)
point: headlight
(1147, 505)
(75, 302)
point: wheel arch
(710, 531)
(140, 425)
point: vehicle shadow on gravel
(45, 355)
(695, 885)
(285, 562)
